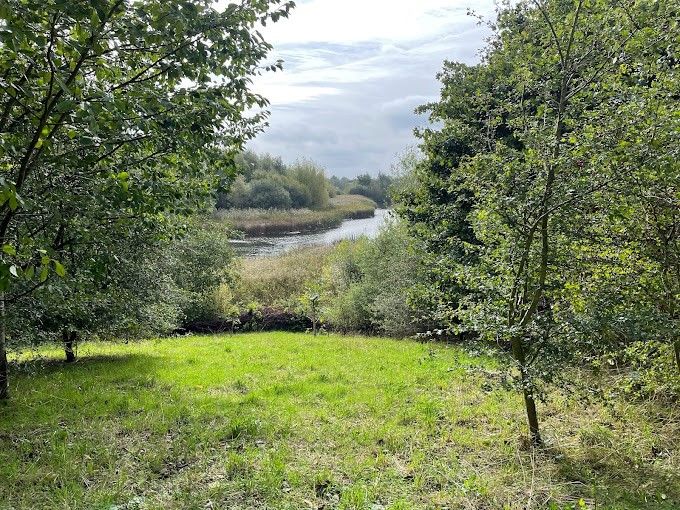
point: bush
(314, 179)
(238, 196)
(368, 284)
(300, 196)
(200, 264)
(267, 194)
(149, 290)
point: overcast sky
(354, 71)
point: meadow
(281, 221)
(292, 421)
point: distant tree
(314, 178)
(300, 195)
(268, 194)
(378, 189)
(364, 180)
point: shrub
(200, 264)
(300, 196)
(268, 194)
(314, 179)
(368, 284)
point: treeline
(377, 188)
(265, 182)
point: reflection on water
(265, 246)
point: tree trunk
(69, 339)
(4, 379)
(529, 402)
(676, 347)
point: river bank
(262, 222)
(273, 245)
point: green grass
(274, 221)
(285, 421)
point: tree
(267, 194)
(116, 114)
(637, 232)
(314, 179)
(509, 186)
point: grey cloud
(370, 119)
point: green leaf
(9, 249)
(59, 268)
(62, 85)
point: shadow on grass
(47, 365)
(613, 479)
(49, 388)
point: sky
(354, 70)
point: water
(349, 229)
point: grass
(285, 421)
(273, 221)
(278, 281)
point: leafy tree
(314, 178)
(267, 194)
(305, 182)
(378, 189)
(116, 113)
(364, 180)
(511, 185)
(634, 233)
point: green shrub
(200, 264)
(368, 284)
(314, 179)
(300, 196)
(268, 194)
(150, 290)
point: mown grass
(274, 221)
(285, 421)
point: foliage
(151, 290)
(115, 118)
(265, 194)
(378, 188)
(533, 199)
(267, 183)
(200, 263)
(368, 283)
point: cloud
(357, 21)
(354, 70)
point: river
(349, 229)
